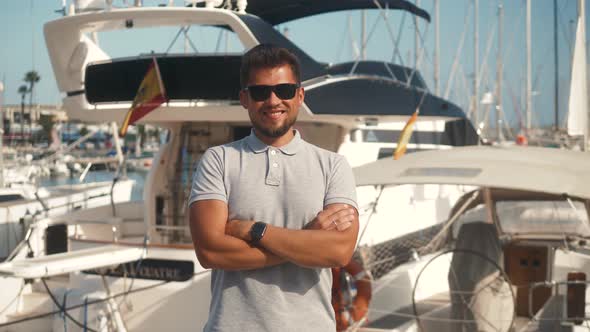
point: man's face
(272, 117)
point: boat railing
(574, 299)
(115, 223)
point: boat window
(10, 198)
(543, 217)
(192, 39)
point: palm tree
(31, 77)
(23, 92)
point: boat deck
(435, 312)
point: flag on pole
(404, 138)
(150, 95)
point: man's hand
(336, 216)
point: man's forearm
(327, 241)
(311, 248)
(236, 254)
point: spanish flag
(150, 95)
(404, 138)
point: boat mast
(582, 22)
(2, 88)
(363, 35)
(416, 39)
(436, 48)
(556, 58)
(499, 73)
(529, 100)
(476, 65)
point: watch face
(257, 231)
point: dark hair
(267, 56)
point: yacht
(131, 265)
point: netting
(384, 257)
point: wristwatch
(257, 231)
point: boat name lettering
(156, 269)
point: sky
(334, 37)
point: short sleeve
(208, 178)
(341, 185)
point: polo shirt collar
(259, 146)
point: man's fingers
(344, 213)
(344, 225)
(333, 209)
(331, 217)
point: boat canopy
(533, 169)
(281, 11)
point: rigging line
(423, 42)
(29, 318)
(137, 266)
(342, 43)
(451, 220)
(370, 35)
(373, 210)
(483, 70)
(515, 104)
(190, 41)
(398, 40)
(383, 14)
(457, 54)
(22, 287)
(421, 52)
(364, 45)
(564, 31)
(466, 94)
(353, 46)
(62, 308)
(538, 70)
(174, 40)
(218, 43)
(512, 37)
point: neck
(276, 141)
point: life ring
(349, 307)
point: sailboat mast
(499, 74)
(582, 15)
(436, 48)
(529, 100)
(556, 58)
(416, 39)
(363, 35)
(476, 65)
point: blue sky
(329, 38)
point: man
(271, 213)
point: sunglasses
(284, 91)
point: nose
(273, 99)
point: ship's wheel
(463, 290)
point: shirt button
(273, 152)
(275, 165)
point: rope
(80, 305)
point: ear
(244, 98)
(301, 95)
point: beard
(274, 132)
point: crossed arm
(327, 241)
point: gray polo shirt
(285, 187)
